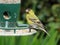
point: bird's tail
(42, 30)
(45, 31)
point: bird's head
(27, 10)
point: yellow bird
(34, 22)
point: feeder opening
(6, 15)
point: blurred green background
(48, 11)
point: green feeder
(9, 12)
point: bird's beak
(26, 10)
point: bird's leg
(29, 28)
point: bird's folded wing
(37, 22)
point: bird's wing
(41, 27)
(37, 22)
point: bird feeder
(9, 12)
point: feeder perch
(9, 12)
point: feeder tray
(22, 32)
